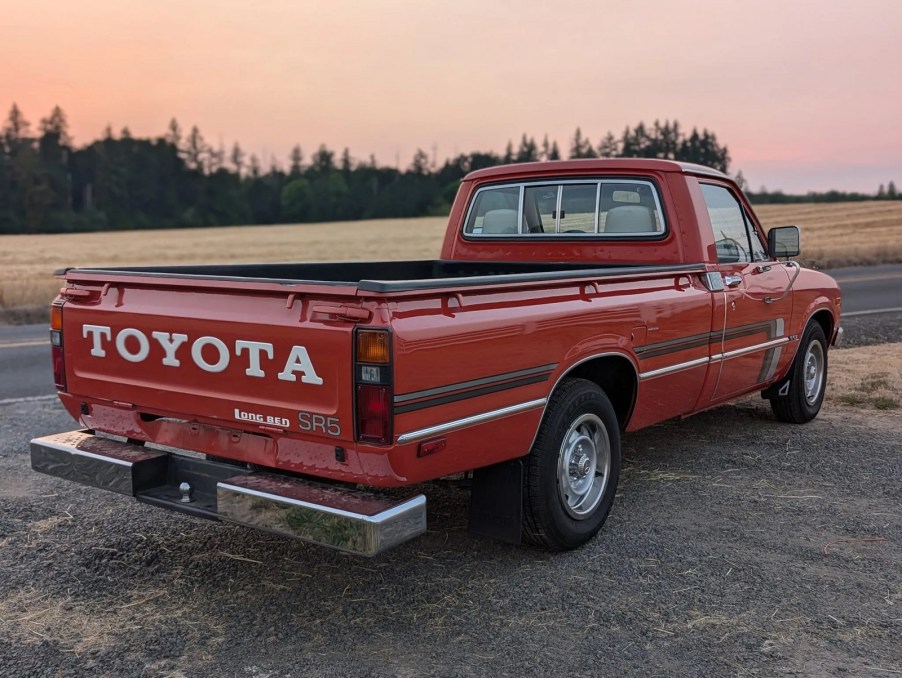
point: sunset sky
(807, 95)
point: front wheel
(573, 469)
(807, 379)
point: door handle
(732, 280)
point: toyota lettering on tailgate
(134, 346)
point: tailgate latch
(351, 313)
(75, 293)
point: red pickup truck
(573, 301)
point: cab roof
(591, 165)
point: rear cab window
(598, 208)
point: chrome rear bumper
(336, 516)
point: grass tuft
(886, 403)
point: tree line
(178, 179)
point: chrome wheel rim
(814, 371)
(584, 465)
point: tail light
(373, 386)
(56, 344)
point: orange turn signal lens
(56, 317)
(373, 346)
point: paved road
(25, 370)
(869, 293)
(869, 289)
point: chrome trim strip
(91, 455)
(520, 199)
(322, 508)
(749, 349)
(419, 434)
(674, 368)
(597, 205)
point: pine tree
(237, 158)
(508, 154)
(420, 163)
(57, 125)
(347, 162)
(296, 161)
(174, 134)
(608, 147)
(581, 147)
(195, 149)
(16, 129)
(546, 149)
(528, 151)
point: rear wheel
(807, 379)
(573, 469)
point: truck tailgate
(252, 359)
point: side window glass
(759, 253)
(578, 208)
(540, 208)
(628, 208)
(730, 233)
(495, 212)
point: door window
(734, 234)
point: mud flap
(778, 390)
(496, 502)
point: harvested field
(27, 262)
(840, 234)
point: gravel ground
(712, 563)
(863, 330)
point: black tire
(807, 379)
(579, 425)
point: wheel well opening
(617, 378)
(825, 320)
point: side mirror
(783, 242)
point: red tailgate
(252, 359)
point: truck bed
(386, 276)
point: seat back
(500, 221)
(630, 219)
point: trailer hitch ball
(187, 492)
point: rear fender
(598, 368)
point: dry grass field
(867, 377)
(833, 235)
(842, 234)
